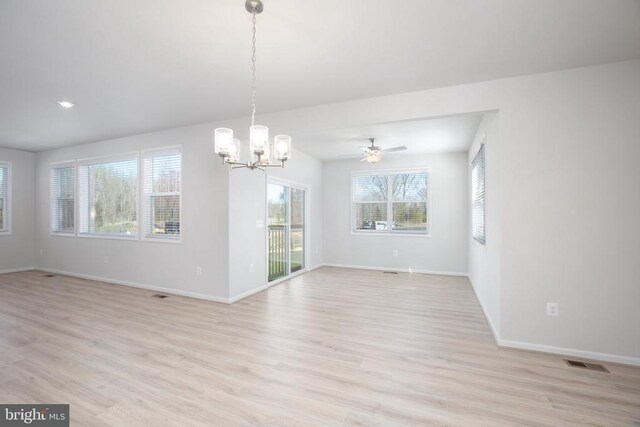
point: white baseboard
(315, 267)
(246, 294)
(399, 270)
(267, 286)
(558, 351)
(562, 351)
(16, 270)
(137, 285)
(494, 331)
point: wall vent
(160, 296)
(586, 365)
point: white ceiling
(454, 133)
(133, 66)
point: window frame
(9, 205)
(109, 159)
(141, 225)
(389, 202)
(482, 149)
(59, 165)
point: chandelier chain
(253, 70)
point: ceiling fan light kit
(373, 158)
(262, 152)
(373, 153)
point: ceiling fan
(373, 153)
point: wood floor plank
(331, 347)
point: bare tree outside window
(107, 196)
(391, 202)
(113, 199)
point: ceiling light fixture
(261, 150)
(373, 153)
(374, 157)
(66, 104)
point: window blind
(63, 186)
(4, 196)
(162, 193)
(107, 191)
(392, 202)
(478, 195)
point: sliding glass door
(296, 235)
(286, 212)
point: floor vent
(586, 365)
(159, 296)
(49, 275)
(390, 272)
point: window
(390, 202)
(63, 190)
(477, 196)
(5, 189)
(161, 197)
(107, 191)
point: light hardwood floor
(331, 347)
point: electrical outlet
(251, 269)
(198, 271)
(259, 223)
(106, 259)
(552, 309)
(41, 251)
(395, 252)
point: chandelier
(263, 153)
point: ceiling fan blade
(391, 150)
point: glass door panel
(278, 224)
(296, 242)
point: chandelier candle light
(262, 152)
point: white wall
(163, 265)
(485, 260)
(446, 249)
(16, 248)
(569, 201)
(247, 196)
(569, 198)
(570, 144)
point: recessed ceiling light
(65, 104)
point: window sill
(132, 238)
(61, 234)
(388, 234)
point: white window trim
(52, 166)
(159, 239)
(112, 158)
(8, 216)
(391, 233)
